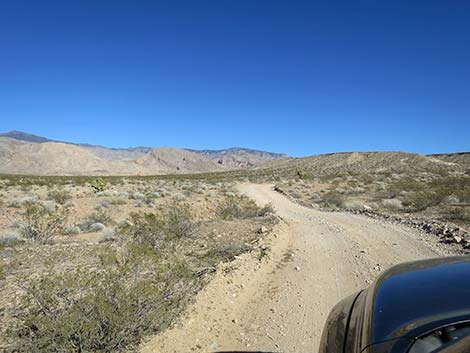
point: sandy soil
(280, 304)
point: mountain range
(24, 153)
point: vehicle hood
(416, 295)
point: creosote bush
(40, 224)
(242, 208)
(333, 199)
(179, 223)
(155, 230)
(100, 311)
(59, 196)
(144, 229)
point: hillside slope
(363, 162)
(461, 158)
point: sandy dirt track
(280, 305)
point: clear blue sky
(300, 77)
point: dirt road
(280, 305)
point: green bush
(145, 229)
(40, 224)
(333, 199)
(421, 200)
(301, 174)
(102, 311)
(457, 214)
(59, 196)
(179, 223)
(157, 230)
(98, 185)
(242, 208)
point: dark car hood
(415, 295)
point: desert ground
(317, 258)
(240, 260)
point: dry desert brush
(240, 207)
(40, 224)
(98, 311)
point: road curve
(317, 259)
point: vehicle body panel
(405, 302)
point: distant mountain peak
(24, 136)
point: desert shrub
(10, 239)
(451, 199)
(226, 252)
(354, 205)
(101, 204)
(179, 222)
(40, 224)
(301, 174)
(98, 185)
(3, 270)
(145, 229)
(156, 230)
(17, 203)
(117, 202)
(327, 178)
(457, 214)
(59, 196)
(421, 200)
(98, 217)
(333, 199)
(392, 204)
(457, 186)
(107, 234)
(72, 230)
(405, 184)
(242, 208)
(230, 209)
(103, 311)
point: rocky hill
(369, 163)
(462, 158)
